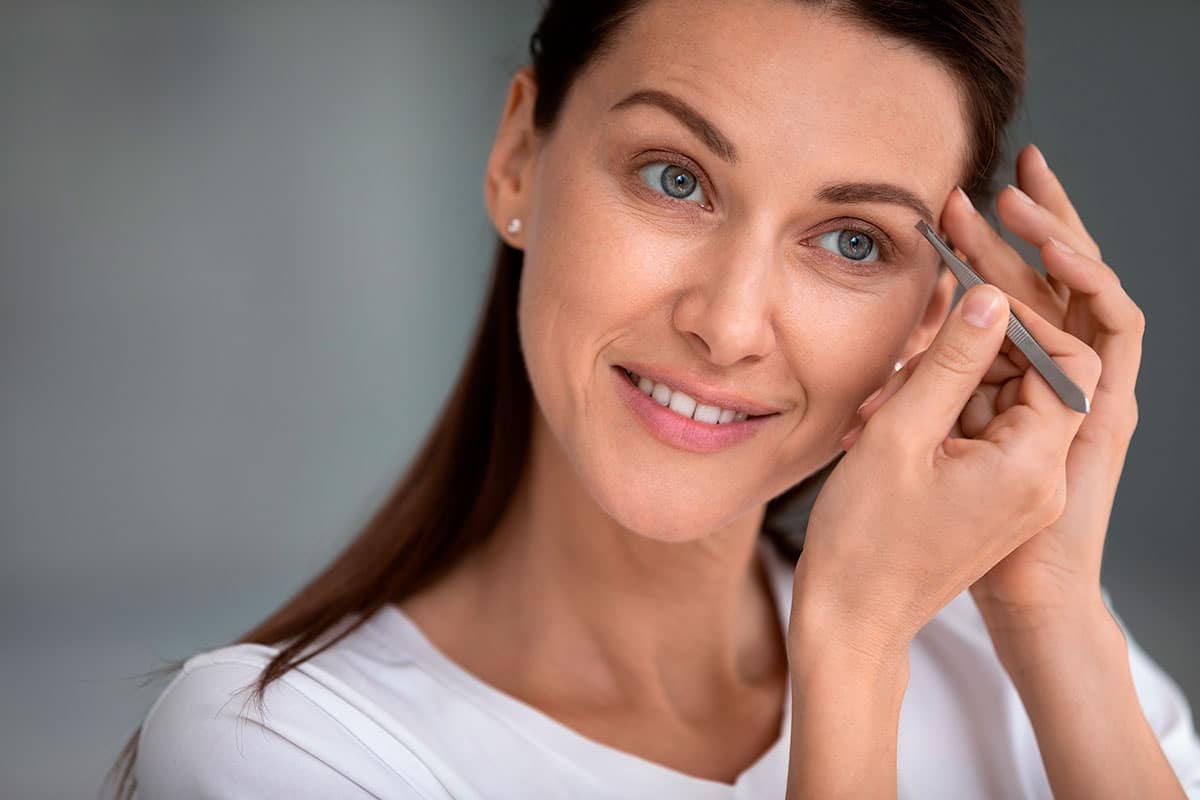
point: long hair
(458, 485)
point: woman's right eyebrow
(719, 144)
(704, 130)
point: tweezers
(1017, 333)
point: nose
(726, 315)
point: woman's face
(730, 252)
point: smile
(682, 404)
(681, 421)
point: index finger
(1036, 399)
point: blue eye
(853, 244)
(675, 181)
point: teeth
(683, 405)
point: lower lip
(677, 431)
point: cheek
(842, 346)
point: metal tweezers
(1063, 386)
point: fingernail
(871, 397)
(965, 197)
(850, 438)
(1024, 197)
(1060, 245)
(982, 308)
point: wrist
(825, 630)
(1031, 643)
(847, 691)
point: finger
(1035, 224)
(1113, 309)
(996, 261)
(854, 435)
(1075, 358)
(1001, 370)
(1007, 397)
(929, 402)
(850, 438)
(1004, 368)
(1119, 322)
(894, 382)
(979, 411)
(1038, 181)
(1061, 289)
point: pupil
(678, 182)
(855, 245)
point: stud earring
(899, 365)
(514, 226)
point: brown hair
(459, 483)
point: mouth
(709, 411)
(684, 422)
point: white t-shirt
(384, 714)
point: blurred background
(242, 248)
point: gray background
(241, 251)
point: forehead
(781, 78)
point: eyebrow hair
(719, 144)
(875, 193)
(693, 119)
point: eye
(674, 181)
(852, 244)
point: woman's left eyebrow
(875, 193)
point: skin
(1042, 603)
(621, 593)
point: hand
(911, 516)
(1055, 576)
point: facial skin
(624, 563)
(748, 294)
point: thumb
(931, 400)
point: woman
(587, 585)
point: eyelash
(886, 246)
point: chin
(659, 508)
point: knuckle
(1138, 319)
(1056, 500)
(1036, 454)
(1024, 483)
(954, 357)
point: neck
(618, 617)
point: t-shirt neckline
(392, 627)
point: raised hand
(912, 515)
(1055, 574)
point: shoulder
(206, 736)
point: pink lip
(700, 392)
(686, 434)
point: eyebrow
(719, 144)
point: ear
(508, 181)
(936, 310)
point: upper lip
(702, 391)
